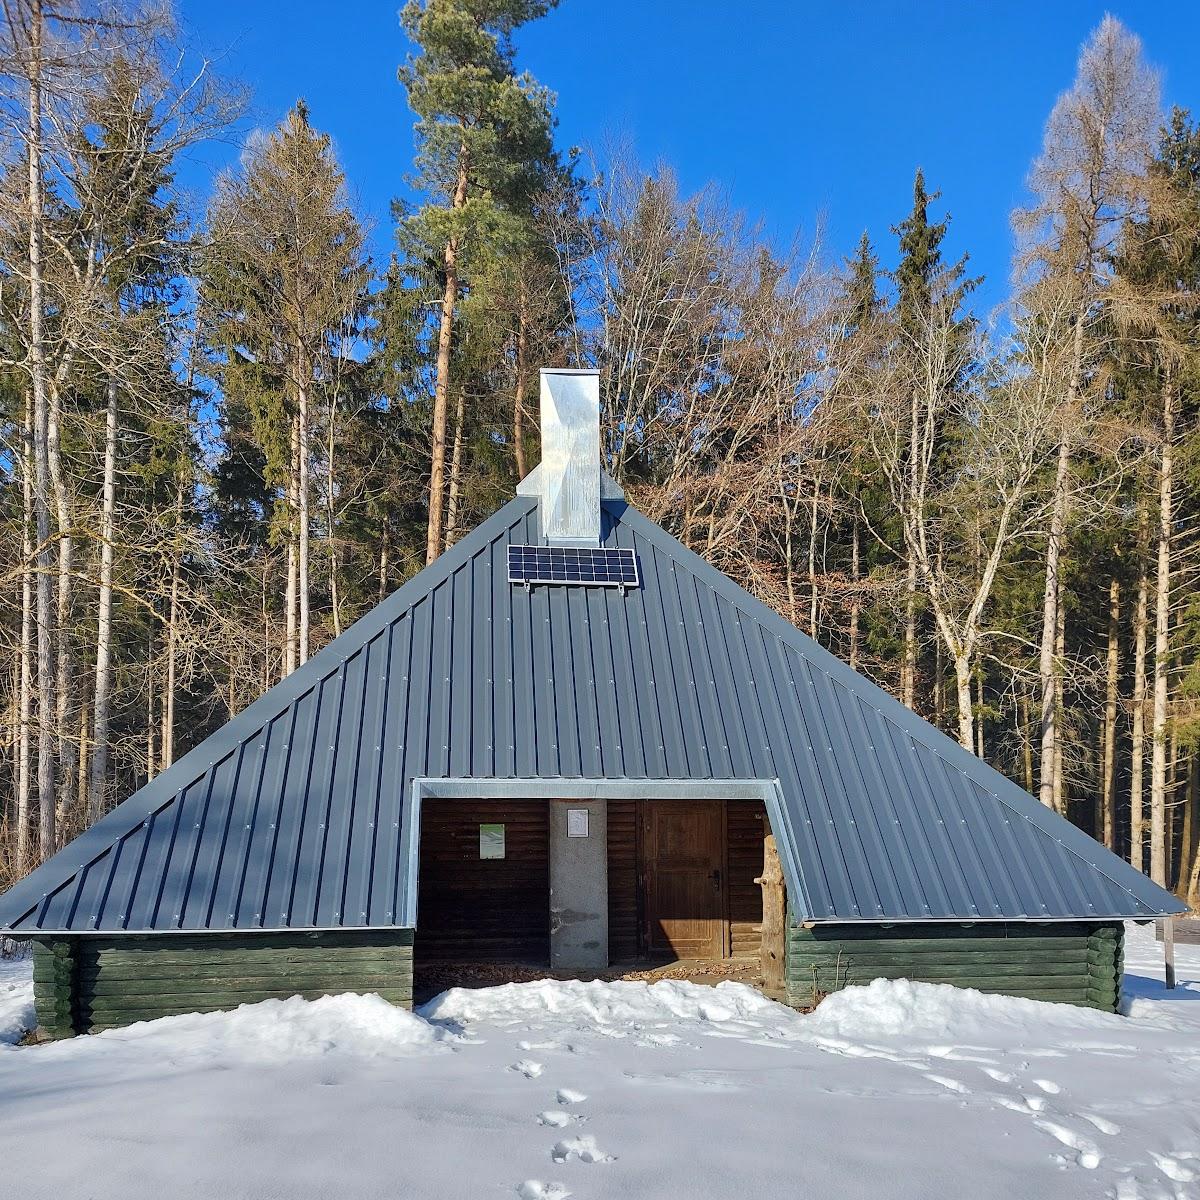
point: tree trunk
(455, 486)
(813, 595)
(1058, 795)
(1109, 789)
(290, 627)
(966, 720)
(980, 747)
(1190, 833)
(1049, 668)
(168, 700)
(1137, 750)
(98, 767)
(773, 930)
(441, 391)
(522, 365)
(68, 750)
(1027, 740)
(41, 450)
(1162, 648)
(855, 600)
(151, 714)
(1050, 664)
(908, 675)
(302, 507)
(383, 565)
(25, 686)
(335, 593)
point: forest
(227, 430)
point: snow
(16, 998)
(545, 1091)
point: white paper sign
(577, 822)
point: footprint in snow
(528, 1068)
(952, 1085)
(1173, 1169)
(583, 1148)
(1034, 1103)
(535, 1189)
(1102, 1123)
(556, 1118)
(1087, 1155)
(998, 1076)
(570, 1096)
(1048, 1086)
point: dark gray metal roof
(291, 815)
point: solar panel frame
(582, 566)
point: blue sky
(803, 112)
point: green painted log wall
(86, 984)
(1071, 963)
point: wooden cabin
(563, 743)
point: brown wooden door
(684, 863)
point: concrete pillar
(579, 884)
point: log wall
(1070, 963)
(86, 984)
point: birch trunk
(1049, 668)
(962, 683)
(1050, 664)
(383, 565)
(1162, 648)
(1109, 789)
(441, 391)
(98, 767)
(980, 746)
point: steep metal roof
(290, 816)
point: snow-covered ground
(544, 1091)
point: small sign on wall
(491, 841)
(577, 822)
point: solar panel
(581, 565)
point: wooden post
(774, 905)
(1168, 941)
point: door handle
(716, 879)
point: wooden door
(684, 864)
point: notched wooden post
(1168, 941)
(54, 979)
(773, 928)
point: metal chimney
(569, 476)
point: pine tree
(481, 132)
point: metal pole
(1168, 941)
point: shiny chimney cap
(569, 475)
